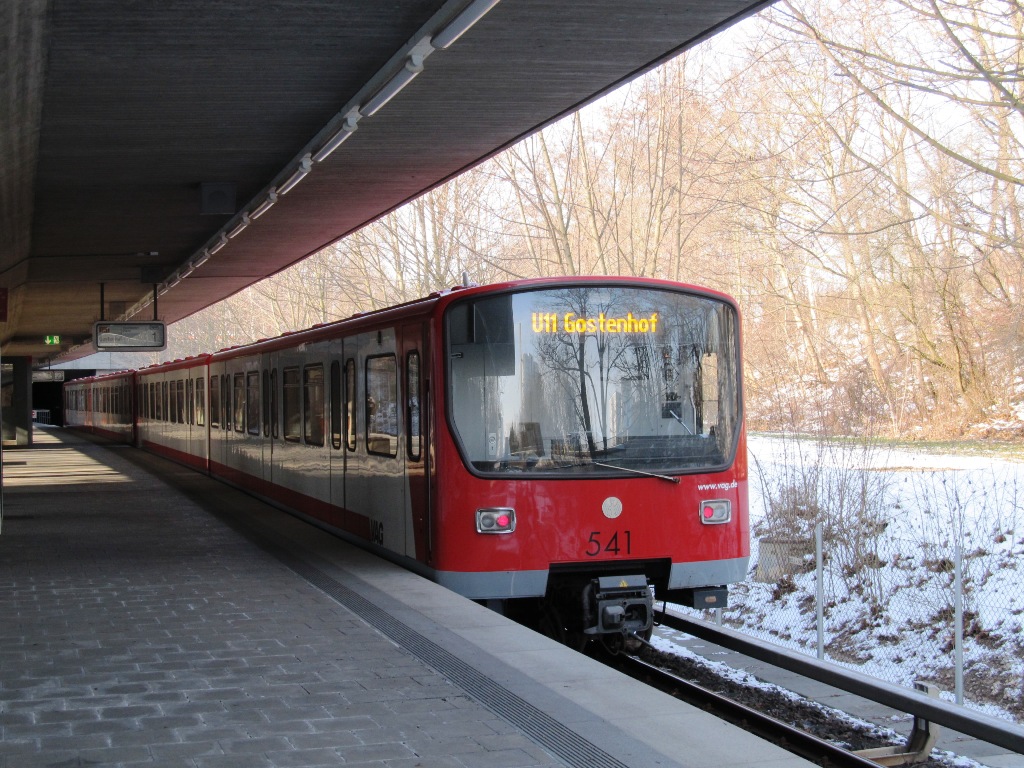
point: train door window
(190, 401)
(225, 400)
(215, 401)
(266, 402)
(412, 405)
(239, 400)
(350, 403)
(291, 401)
(336, 405)
(181, 401)
(164, 395)
(172, 402)
(200, 402)
(382, 405)
(273, 403)
(313, 404)
(252, 402)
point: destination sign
(130, 337)
(570, 322)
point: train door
(414, 389)
(267, 407)
(341, 396)
(375, 471)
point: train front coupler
(618, 605)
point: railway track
(796, 740)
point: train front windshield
(598, 380)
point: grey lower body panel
(708, 573)
(503, 585)
(494, 585)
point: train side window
(273, 404)
(200, 402)
(291, 402)
(266, 402)
(313, 404)
(336, 405)
(412, 405)
(190, 401)
(215, 401)
(181, 401)
(239, 400)
(172, 402)
(350, 402)
(252, 401)
(165, 396)
(382, 405)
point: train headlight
(715, 512)
(495, 520)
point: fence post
(958, 629)
(819, 572)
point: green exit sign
(53, 340)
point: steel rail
(983, 727)
(788, 737)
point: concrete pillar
(16, 400)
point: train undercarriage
(614, 611)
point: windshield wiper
(679, 418)
(636, 471)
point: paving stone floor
(138, 629)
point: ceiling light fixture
(346, 130)
(200, 258)
(462, 23)
(262, 208)
(413, 66)
(219, 244)
(305, 166)
(242, 224)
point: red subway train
(566, 450)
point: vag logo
(377, 532)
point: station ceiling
(133, 134)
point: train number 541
(616, 543)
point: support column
(16, 400)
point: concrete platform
(152, 616)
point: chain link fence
(921, 565)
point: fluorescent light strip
(262, 208)
(413, 66)
(346, 130)
(219, 244)
(462, 23)
(305, 166)
(242, 224)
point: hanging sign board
(130, 337)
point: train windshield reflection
(594, 380)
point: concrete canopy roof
(117, 114)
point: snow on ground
(893, 520)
